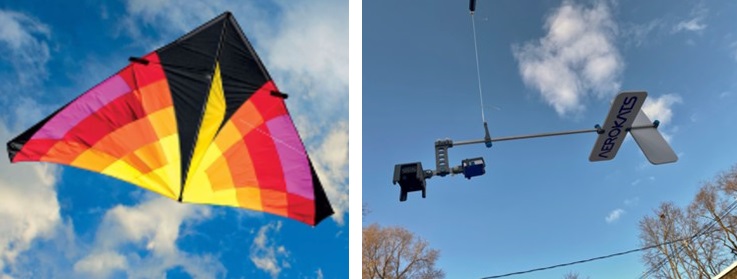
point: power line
(706, 229)
(567, 264)
(590, 259)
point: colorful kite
(198, 120)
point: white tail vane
(625, 116)
(651, 142)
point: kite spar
(199, 120)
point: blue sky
(71, 223)
(545, 66)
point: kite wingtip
(13, 148)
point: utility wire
(704, 230)
(589, 260)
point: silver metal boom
(550, 134)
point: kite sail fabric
(198, 120)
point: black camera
(410, 177)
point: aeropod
(625, 116)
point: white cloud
(614, 215)
(156, 222)
(23, 44)
(330, 160)
(311, 49)
(661, 109)
(154, 225)
(101, 265)
(29, 209)
(578, 55)
(693, 24)
(639, 34)
(266, 254)
(167, 18)
(319, 274)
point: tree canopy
(396, 253)
(696, 241)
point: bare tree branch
(396, 253)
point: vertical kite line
(478, 71)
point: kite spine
(185, 172)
